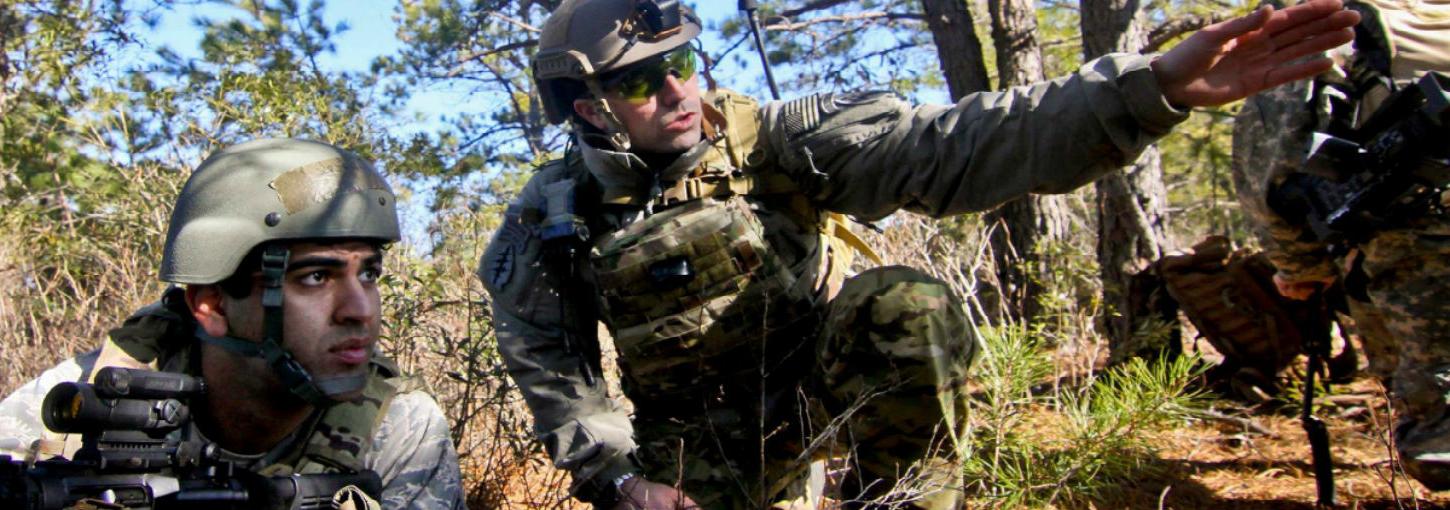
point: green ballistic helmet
(272, 190)
(583, 39)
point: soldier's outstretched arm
(870, 154)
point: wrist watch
(619, 481)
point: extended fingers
(1316, 44)
(1334, 22)
(1296, 71)
(1300, 14)
(1222, 32)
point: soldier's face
(330, 308)
(667, 121)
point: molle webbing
(707, 185)
(709, 327)
(719, 186)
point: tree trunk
(1132, 204)
(958, 49)
(1020, 226)
(1014, 29)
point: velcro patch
(318, 182)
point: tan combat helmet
(584, 39)
(254, 194)
(272, 190)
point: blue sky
(372, 33)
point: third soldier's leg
(893, 360)
(1408, 273)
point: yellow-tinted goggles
(638, 82)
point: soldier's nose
(673, 91)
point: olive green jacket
(863, 154)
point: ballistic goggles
(636, 83)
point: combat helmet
(261, 194)
(584, 40)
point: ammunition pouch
(693, 295)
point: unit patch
(498, 264)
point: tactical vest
(693, 294)
(161, 337)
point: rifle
(1376, 177)
(139, 452)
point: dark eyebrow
(315, 262)
(376, 259)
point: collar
(625, 174)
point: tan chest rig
(694, 295)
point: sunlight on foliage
(1103, 428)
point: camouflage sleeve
(1270, 136)
(414, 455)
(871, 154)
(581, 427)
(20, 422)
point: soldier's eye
(371, 275)
(314, 278)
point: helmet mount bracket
(613, 129)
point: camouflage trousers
(1408, 271)
(1380, 348)
(879, 403)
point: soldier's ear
(205, 302)
(587, 111)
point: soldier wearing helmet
(706, 232)
(1393, 276)
(279, 245)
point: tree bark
(958, 49)
(1019, 227)
(1132, 204)
(1014, 29)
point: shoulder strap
(151, 338)
(338, 440)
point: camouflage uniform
(736, 389)
(1406, 325)
(411, 449)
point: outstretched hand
(1234, 59)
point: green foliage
(1071, 291)
(481, 50)
(1104, 426)
(866, 44)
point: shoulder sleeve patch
(816, 128)
(501, 258)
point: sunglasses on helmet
(641, 80)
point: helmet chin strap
(319, 392)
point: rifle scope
(121, 399)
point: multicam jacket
(865, 154)
(409, 446)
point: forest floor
(1252, 458)
(1257, 457)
